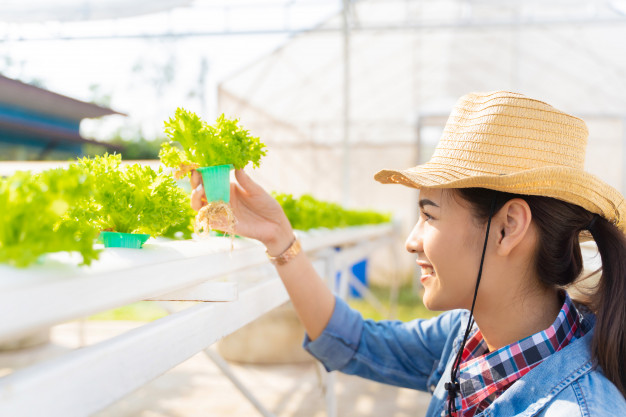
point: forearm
(260, 217)
(311, 298)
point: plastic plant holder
(216, 182)
(123, 240)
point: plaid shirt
(484, 375)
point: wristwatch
(288, 254)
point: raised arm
(259, 216)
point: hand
(258, 214)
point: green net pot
(123, 240)
(216, 181)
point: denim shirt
(419, 354)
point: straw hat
(508, 142)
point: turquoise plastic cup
(123, 240)
(216, 181)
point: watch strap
(288, 254)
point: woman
(503, 204)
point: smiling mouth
(428, 270)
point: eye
(426, 216)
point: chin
(433, 304)
(428, 302)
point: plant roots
(218, 216)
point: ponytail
(609, 303)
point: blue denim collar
(547, 380)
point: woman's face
(448, 243)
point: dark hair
(558, 263)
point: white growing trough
(87, 380)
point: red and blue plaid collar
(484, 375)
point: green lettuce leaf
(223, 143)
(133, 198)
(185, 229)
(37, 216)
(306, 213)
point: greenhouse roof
(407, 60)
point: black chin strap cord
(453, 386)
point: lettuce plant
(37, 215)
(306, 213)
(205, 145)
(185, 229)
(133, 198)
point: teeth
(426, 270)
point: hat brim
(567, 184)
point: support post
(345, 198)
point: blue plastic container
(359, 270)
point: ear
(514, 220)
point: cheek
(440, 246)
(451, 254)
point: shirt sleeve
(392, 352)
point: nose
(414, 243)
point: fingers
(196, 179)
(244, 186)
(197, 198)
(247, 183)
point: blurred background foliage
(133, 148)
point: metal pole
(623, 155)
(515, 53)
(345, 197)
(477, 24)
(227, 371)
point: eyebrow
(425, 202)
